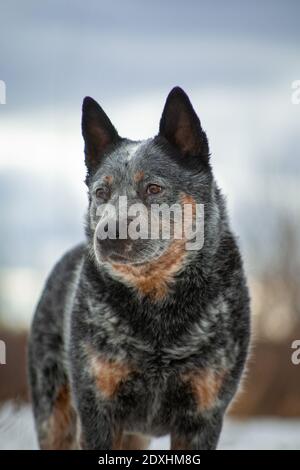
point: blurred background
(237, 61)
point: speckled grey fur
(86, 313)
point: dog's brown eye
(102, 193)
(154, 189)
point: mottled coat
(142, 338)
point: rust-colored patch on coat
(138, 176)
(205, 386)
(155, 277)
(59, 431)
(109, 375)
(186, 199)
(108, 179)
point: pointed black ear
(98, 132)
(181, 126)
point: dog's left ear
(181, 126)
(98, 132)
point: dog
(136, 337)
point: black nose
(112, 245)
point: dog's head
(127, 179)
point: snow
(17, 432)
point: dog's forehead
(131, 156)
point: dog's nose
(116, 244)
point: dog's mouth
(133, 259)
(116, 258)
(120, 259)
(119, 253)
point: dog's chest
(144, 377)
(146, 403)
(143, 383)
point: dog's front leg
(96, 425)
(197, 432)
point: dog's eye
(153, 189)
(102, 193)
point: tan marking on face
(109, 375)
(108, 179)
(138, 176)
(59, 432)
(205, 386)
(155, 277)
(189, 200)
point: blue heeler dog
(134, 338)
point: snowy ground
(17, 432)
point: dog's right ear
(181, 126)
(98, 132)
